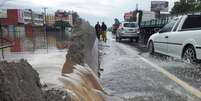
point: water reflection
(31, 40)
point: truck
(147, 28)
(139, 16)
(145, 16)
(180, 38)
(115, 26)
(142, 18)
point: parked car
(128, 30)
(180, 38)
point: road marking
(185, 85)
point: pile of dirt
(20, 82)
(58, 94)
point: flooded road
(130, 74)
(48, 65)
(189, 73)
(135, 76)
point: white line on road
(185, 85)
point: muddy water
(80, 81)
(83, 84)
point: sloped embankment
(81, 67)
(20, 82)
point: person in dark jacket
(98, 30)
(104, 31)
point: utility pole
(136, 7)
(32, 31)
(44, 23)
(1, 38)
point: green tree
(198, 7)
(186, 6)
(62, 25)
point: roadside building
(50, 20)
(18, 24)
(64, 16)
(33, 22)
(13, 27)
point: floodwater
(125, 77)
(82, 83)
(128, 76)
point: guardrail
(5, 43)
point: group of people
(101, 30)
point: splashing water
(84, 84)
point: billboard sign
(162, 6)
(3, 13)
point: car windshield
(130, 25)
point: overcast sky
(91, 10)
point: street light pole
(1, 38)
(44, 22)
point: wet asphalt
(127, 76)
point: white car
(128, 30)
(181, 38)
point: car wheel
(189, 55)
(151, 47)
(117, 38)
(131, 39)
(137, 40)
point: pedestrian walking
(104, 31)
(98, 30)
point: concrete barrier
(83, 49)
